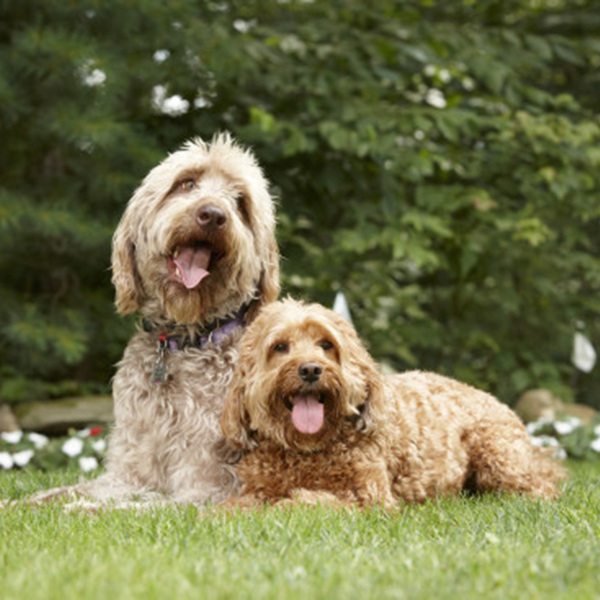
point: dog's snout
(211, 217)
(310, 372)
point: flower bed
(569, 436)
(83, 449)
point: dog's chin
(184, 306)
(212, 299)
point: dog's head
(302, 374)
(197, 239)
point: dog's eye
(326, 345)
(281, 347)
(187, 185)
(242, 207)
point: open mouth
(190, 264)
(308, 411)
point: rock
(58, 416)
(581, 411)
(543, 404)
(8, 422)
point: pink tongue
(192, 264)
(307, 414)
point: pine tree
(79, 130)
(438, 161)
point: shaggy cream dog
(321, 424)
(195, 254)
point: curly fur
(383, 439)
(166, 440)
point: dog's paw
(85, 506)
(51, 495)
(228, 453)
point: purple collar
(174, 343)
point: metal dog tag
(159, 371)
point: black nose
(211, 217)
(310, 372)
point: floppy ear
(363, 379)
(268, 286)
(235, 420)
(372, 407)
(125, 276)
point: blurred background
(436, 161)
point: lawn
(478, 547)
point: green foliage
(437, 161)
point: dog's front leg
(243, 503)
(373, 485)
(308, 497)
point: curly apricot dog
(195, 254)
(322, 425)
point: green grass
(483, 547)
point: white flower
(72, 447)
(244, 26)
(12, 437)
(161, 55)
(202, 102)
(90, 74)
(419, 135)
(468, 84)
(561, 454)
(159, 93)
(595, 445)
(535, 426)
(99, 446)
(444, 75)
(435, 98)
(6, 460)
(597, 431)
(22, 458)
(88, 463)
(83, 433)
(430, 70)
(566, 427)
(94, 78)
(175, 106)
(545, 441)
(38, 440)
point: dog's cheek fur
(235, 421)
(363, 383)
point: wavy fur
(384, 439)
(166, 438)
